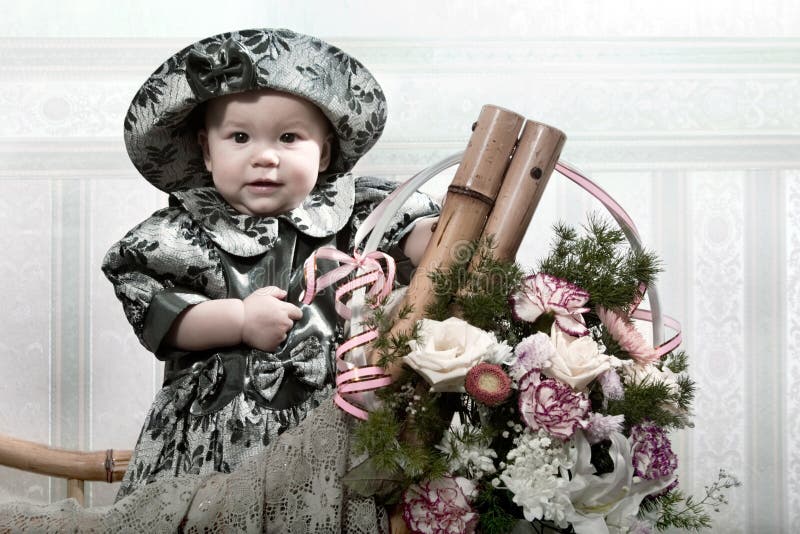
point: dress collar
(323, 213)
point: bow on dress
(211, 384)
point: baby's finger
(294, 312)
(272, 291)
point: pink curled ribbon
(378, 285)
(672, 343)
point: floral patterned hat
(160, 136)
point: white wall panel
(791, 458)
(717, 347)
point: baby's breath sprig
(678, 510)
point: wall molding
(624, 103)
(747, 55)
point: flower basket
(496, 400)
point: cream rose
(577, 361)
(447, 350)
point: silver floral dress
(220, 407)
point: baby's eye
(288, 138)
(240, 137)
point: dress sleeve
(371, 191)
(161, 267)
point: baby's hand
(417, 239)
(267, 318)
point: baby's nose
(265, 155)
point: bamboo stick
(467, 205)
(523, 185)
(519, 190)
(52, 461)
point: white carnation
(499, 354)
(467, 455)
(532, 476)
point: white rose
(577, 360)
(447, 350)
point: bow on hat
(229, 66)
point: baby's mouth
(264, 184)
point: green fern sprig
(493, 506)
(651, 400)
(477, 287)
(390, 347)
(601, 263)
(677, 362)
(380, 437)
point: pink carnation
(624, 332)
(533, 352)
(652, 453)
(529, 379)
(639, 526)
(545, 293)
(440, 506)
(600, 427)
(488, 384)
(554, 407)
(611, 384)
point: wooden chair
(76, 466)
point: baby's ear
(202, 140)
(325, 153)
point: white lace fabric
(294, 486)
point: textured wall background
(688, 115)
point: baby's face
(264, 150)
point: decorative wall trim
(624, 103)
(122, 56)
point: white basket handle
(377, 223)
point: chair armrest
(108, 465)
